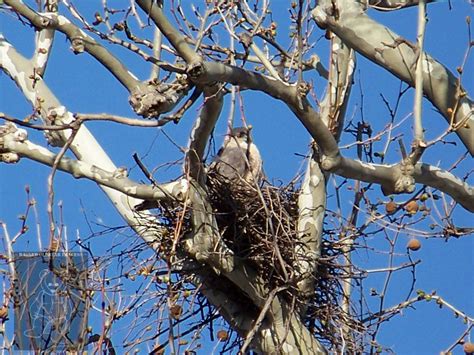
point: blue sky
(82, 85)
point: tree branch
(14, 141)
(391, 5)
(202, 129)
(208, 72)
(341, 72)
(311, 209)
(43, 45)
(80, 41)
(84, 146)
(397, 55)
(403, 177)
(174, 37)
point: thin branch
(259, 320)
(50, 206)
(167, 29)
(397, 55)
(116, 180)
(418, 125)
(79, 40)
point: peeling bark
(84, 146)
(397, 55)
(311, 207)
(150, 99)
(202, 129)
(204, 243)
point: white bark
(311, 207)
(397, 55)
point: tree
(278, 263)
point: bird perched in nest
(239, 160)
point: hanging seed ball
(391, 207)
(414, 244)
(176, 311)
(3, 312)
(222, 335)
(412, 207)
(468, 348)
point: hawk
(239, 159)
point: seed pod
(414, 244)
(176, 311)
(468, 348)
(391, 207)
(412, 207)
(222, 335)
(3, 313)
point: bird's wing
(230, 163)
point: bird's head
(242, 134)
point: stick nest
(260, 226)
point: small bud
(98, 19)
(119, 26)
(424, 197)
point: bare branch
(44, 44)
(391, 5)
(417, 113)
(203, 127)
(176, 39)
(334, 103)
(397, 55)
(401, 177)
(209, 72)
(14, 141)
(311, 209)
(80, 41)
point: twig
(144, 169)
(260, 318)
(458, 340)
(50, 207)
